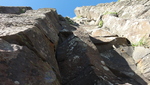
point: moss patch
(100, 23)
(142, 42)
(110, 13)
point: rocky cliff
(106, 44)
(128, 19)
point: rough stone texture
(132, 21)
(33, 41)
(142, 58)
(125, 9)
(128, 25)
(121, 63)
(103, 46)
(21, 66)
(117, 54)
(79, 62)
(13, 10)
(134, 29)
(29, 57)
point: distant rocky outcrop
(14, 10)
(132, 20)
(106, 44)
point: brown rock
(121, 63)
(20, 66)
(79, 62)
(35, 36)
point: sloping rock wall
(124, 9)
(128, 19)
(133, 29)
(27, 49)
(109, 25)
(40, 47)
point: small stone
(105, 68)
(17, 82)
(103, 62)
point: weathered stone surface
(135, 29)
(142, 58)
(101, 33)
(14, 10)
(103, 46)
(86, 54)
(121, 63)
(21, 66)
(102, 36)
(124, 9)
(80, 64)
(36, 32)
(132, 21)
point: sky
(63, 7)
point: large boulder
(79, 62)
(28, 44)
(22, 66)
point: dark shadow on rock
(111, 44)
(117, 55)
(65, 25)
(81, 64)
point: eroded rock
(135, 30)
(20, 66)
(79, 62)
(30, 41)
(141, 57)
(86, 54)
(121, 63)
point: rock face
(80, 63)
(132, 19)
(106, 44)
(119, 26)
(27, 49)
(142, 60)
